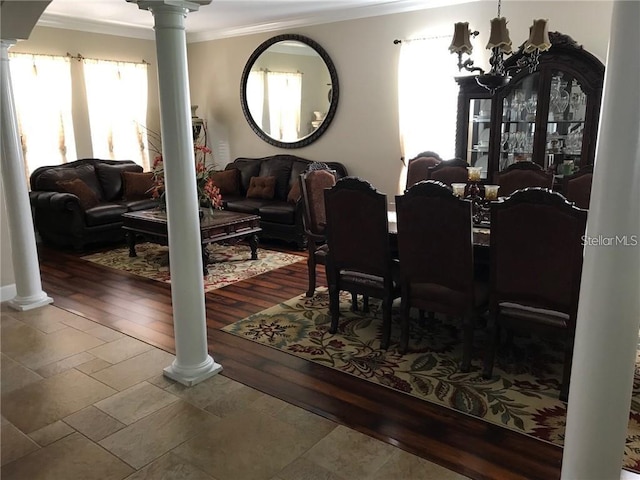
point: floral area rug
(522, 395)
(227, 264)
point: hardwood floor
(142, 308)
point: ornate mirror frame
(334, 91)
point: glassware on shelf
(531, 105)
(559, 97)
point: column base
(23, 304)
(190, 377)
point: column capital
(187, 5)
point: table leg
(253, 243)
(131, 241)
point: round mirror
(289, 91)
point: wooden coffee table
(218, 226)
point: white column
(609, 311)
(192, 363)
(23, 240)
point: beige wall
(364, 133)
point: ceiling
(222, 18)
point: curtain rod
(419, 39)
(79, 57)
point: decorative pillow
(294, 193)
(80, 189)
(137, 186)
(262, 187)
(228, 181)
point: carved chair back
(418, 167)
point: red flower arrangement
(208, 192)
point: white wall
(364, 133)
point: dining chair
(521, 175)
(418, 167)
(577, 187)
(450, 171)
(536, 264)
(313, 182)
(435, 246)
(359, 259)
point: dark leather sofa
(280, 216)
(66, 219)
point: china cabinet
(549, 116)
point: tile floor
(81, 401)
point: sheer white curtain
(42, 95)
(427, 97)
(255, 96)
(117, 102)
(285, 100)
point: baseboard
(8, 292)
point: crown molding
(96, 26)
(123, 29)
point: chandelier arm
(467, 65)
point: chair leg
(491, 350)
(334, 307)
(405, 308)
(468, 325)
(566, 371)
(386, 321)
(354, 302)
(311, 266)
(365, 303)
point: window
(42, 95)
(427, 97)
(117, 102)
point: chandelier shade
(499, 35)
(500, 45)
(461, 42)
(538, 37)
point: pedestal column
(192, 363)
(609, 312)
(22, 236)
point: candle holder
(474, 174)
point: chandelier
(500, 45)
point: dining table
(481, 233)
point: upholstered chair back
(577, 187)
(418, 169)
(521, 175)
(313, 184)
(450, 171)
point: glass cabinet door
(518, 122)
(479, 132)
(565, 124)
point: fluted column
(22, 236)
(609, 312)
(192, 363)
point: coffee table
(219, 226)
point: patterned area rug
(522, 395)
(228, 263)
